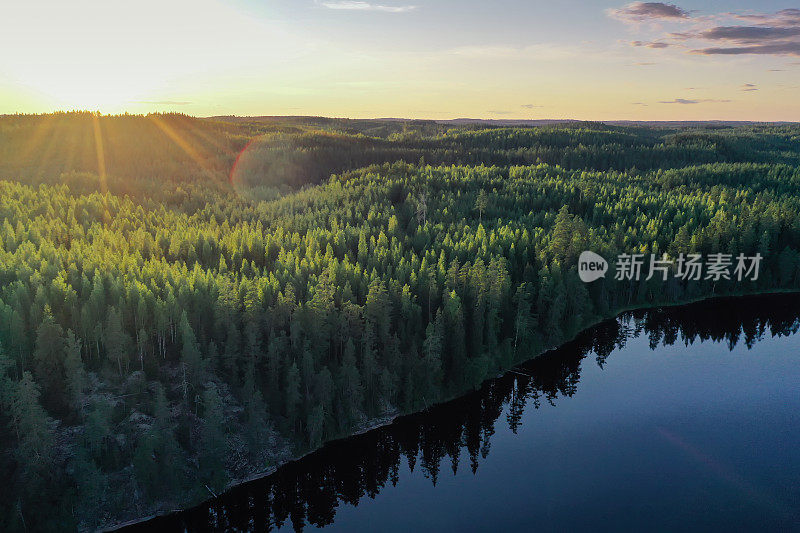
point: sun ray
(41, 131)
(170, 132)
(101, 157)
(47, 154)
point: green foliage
(166, 321)
(74, 372)
(213, 446)
(31, 426)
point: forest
(187, 302)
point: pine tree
(351, 389)
(432, 350)
(481, 203)
(49, 356)
(118, 343)
(522, 318)
(293, 395)
(315, 426)
(30, 425)
(191, 358)
(74, 373)
(213, 446)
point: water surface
(671, 419)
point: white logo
(591, 266)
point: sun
(102, 97)
(101, 56)
(97, 85)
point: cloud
(749, 87)
(685, 101)
(749, 34)
(778, 49)
(784, 17)
(648, 11)
(776, 70)
(654, 44)
(348, 5)
(776, 34)
(680, 35)
(645, 63)
(531, 106)
(639, 103)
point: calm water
(682, 419)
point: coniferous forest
(187, 302)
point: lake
(683, 418)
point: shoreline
(388, 419)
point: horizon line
(409, 119)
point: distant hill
(139, 154)
(503, 122)
(168, 146)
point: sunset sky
(404, 58)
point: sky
(437, 59)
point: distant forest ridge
(506, 122)
(270, 155)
